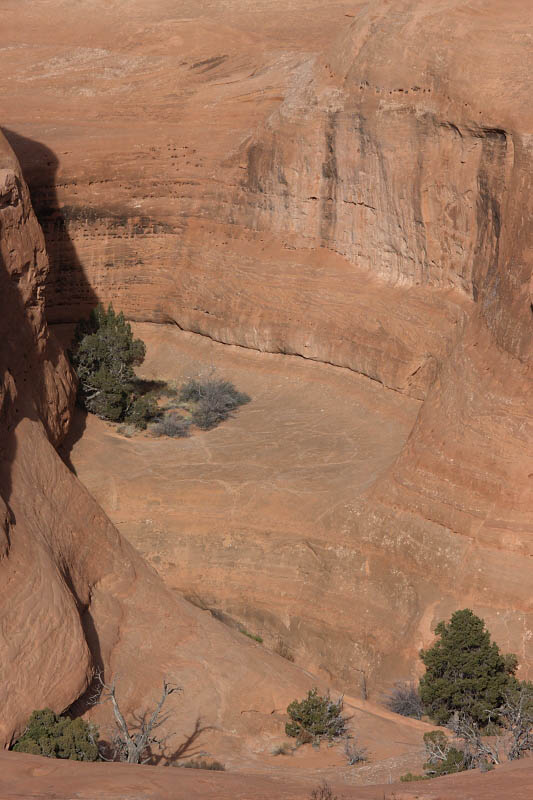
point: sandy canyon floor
(312, 438)
(215, 511)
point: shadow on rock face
(39, 167)
(16, 369)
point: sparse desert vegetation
(405, 699)
(283, 650)
(203, 763)
(283, 749)
(315, 717)
(255, 636)
(323, 792)
(465, 671)
(355, 753)
(104, 354)
(211, 400)
(329, 202)
(471, 689)
(56, 736)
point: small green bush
(141, 411)
(55, 736)
(454, 762)
(442, 758)
(316, 717)
(254, 636)
(409, 776)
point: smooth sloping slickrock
(415, 131)
(76, 596)
(404, 151)
(237, 518)
(28, 776)
(290, 208)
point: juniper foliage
(315, 717)
(465, 671)
(104, 356)
(52, 735)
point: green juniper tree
(55, 736)
(465, 671)
(104, 355)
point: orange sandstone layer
(374, 214)
(75, 596)
(29, 776)
(365, 202)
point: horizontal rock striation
(75, 596)
(365, 203)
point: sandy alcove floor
(312, 438)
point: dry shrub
(282, 650)
(323, 792)
(212, 400)
(203, 764)
(354, 752)
(173, 425)
(404, 699)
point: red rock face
(75, 596)
(369, 207)
(26, 776)
(42, 632)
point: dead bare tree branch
(516, 713)
(476, 749)
(131, 743)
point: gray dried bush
(172, 425)
(355, 753)
(323, 792)
(283, 650)
(212, 400)
(404, 699)
(283, 749)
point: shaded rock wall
(369, 207)
(379, 219)
(75, 596)
(295, 181)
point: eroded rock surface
(363, 201)
(76, 597)
(370, 209)
(28, 776)
(252, 167)
(244, 519)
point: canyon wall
(75, 596)
(361, 200)
(343, 205)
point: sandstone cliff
(75, 596)
(362, 200)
